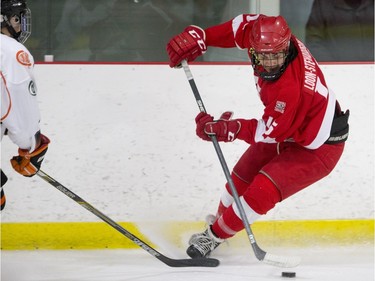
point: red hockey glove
(201, 120)
(225, 129)
(187, 45)
(28, 164)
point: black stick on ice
(261, 255)
(203, 262)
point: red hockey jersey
(298, 106)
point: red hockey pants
(269, 173)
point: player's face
(271, 61)
(15, 21)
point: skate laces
(210, 219)
(205, 242)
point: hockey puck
(288, 274)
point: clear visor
(25, 26)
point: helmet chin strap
(12, 32)
(272, 76)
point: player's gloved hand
(225, 129)
(28, 164)
(187, 45)
(201, 120)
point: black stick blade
(199, 262)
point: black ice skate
(202, 244)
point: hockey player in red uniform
(19, 108)
(297, 141)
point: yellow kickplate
(99, 235)
(66, 235)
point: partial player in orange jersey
(20, 117)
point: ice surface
(318, 264)
(104, 118)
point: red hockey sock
(260, 197)
(226, 198)
(227, 225)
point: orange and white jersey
(19, 107)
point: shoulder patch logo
(280, 106)
(23, 58)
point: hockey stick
(261, 255)
(204, 262)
